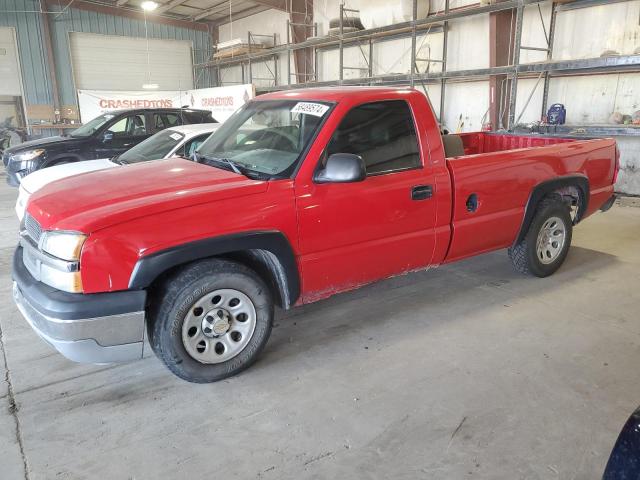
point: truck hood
(38, 179)
(99, 199)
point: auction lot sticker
(315, 109)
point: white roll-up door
(110, 62)
(9, 66)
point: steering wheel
(262, 134)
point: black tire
(181, 292)
(347, 21)
(524, 255)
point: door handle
(421, 192)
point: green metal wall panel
(24, 17)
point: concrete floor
(466, 371)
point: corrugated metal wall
(23, 16)
(20, 15)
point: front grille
(33, 228)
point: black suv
(105, 136)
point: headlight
(64, 245)
(25, 159)
(28, 155)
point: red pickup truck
(298, 196)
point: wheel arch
(556, 185)
(269, 253)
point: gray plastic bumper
(106, 339)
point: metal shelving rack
(439, 23)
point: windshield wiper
(208, 160)
(232, 164)
(241, 170)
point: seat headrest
(453, 146)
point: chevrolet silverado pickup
(298, 196)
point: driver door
(121, 135)
(351, 234)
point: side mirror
(342, 168)
(107, 136)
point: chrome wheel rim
(218, 326)
(551, 240)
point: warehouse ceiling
(215, 11)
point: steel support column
(547, 76)
(513, 87)
(51, 64)
(301, 24)
(500, 40)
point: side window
(165, 120)
(382, 133)
(131, 126)
(159, 122)
(193, 144)
(172, 119)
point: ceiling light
(149, 5)
(150, 86)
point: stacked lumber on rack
(235, 48)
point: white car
(180, 141)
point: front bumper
(14, 178)
(92, 328)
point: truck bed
(501, 171)
(480, 142)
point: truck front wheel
(546, 244)
(213, 320)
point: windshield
(266, 137)
(153, 148)
(91, 127)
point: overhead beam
(134, 14)
(164, 7)
(281, 5)
(243, 13)
(217, 8)
(120, 3)
(263, 5)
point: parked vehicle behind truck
(182, 141)
(331, 190)
(105, 136)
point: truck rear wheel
(546, 244)
(213, 321)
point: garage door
(106, 62)
(9, 67)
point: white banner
(220, 101)
(96, 102)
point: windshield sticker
(176, 136)
(308, 108)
